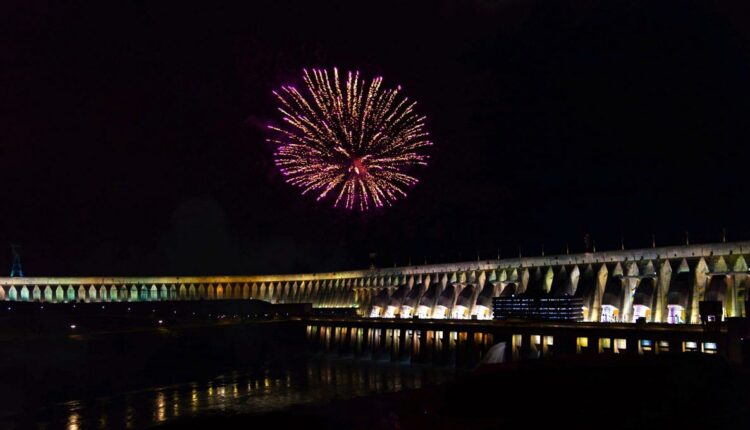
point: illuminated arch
(321, 296)
(340, 298)
(210, 292)
(92, 293)
(59, 294)
(644, 300)
(202, 291)
(333, 294)
(328, 295)
(347, 296)
(12, 294)
(365, 301)
(613, 300)
(410, 303)
(103, 294)
(371, 296)
(245, 291)
(347, 293)
(2, 293)
(24, 294)
(172, 292)
(379, 303)
(483, 302)
(193, 293)
(447, 299)
(36, 294)
(316, 293)
(133, 293)
(284, 295)
(716, 289)
(48, 296)
(465, 300)
(293, 291)
(182, 292)
(294, 296)
(219, 292)
(113, 293)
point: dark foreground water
(259, 390)
(145, 379)
(243, 391)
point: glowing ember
(351, 138)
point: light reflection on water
(318, 380)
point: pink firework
(349, 139)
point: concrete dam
(659, 284)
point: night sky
(132, 136)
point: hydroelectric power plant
(631, 301)
(662, 285)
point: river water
(262, 390)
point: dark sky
(131, 137)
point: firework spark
(348, 139)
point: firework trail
(349, 139)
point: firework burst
(349, 139)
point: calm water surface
(260, 390)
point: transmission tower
(15, 269)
